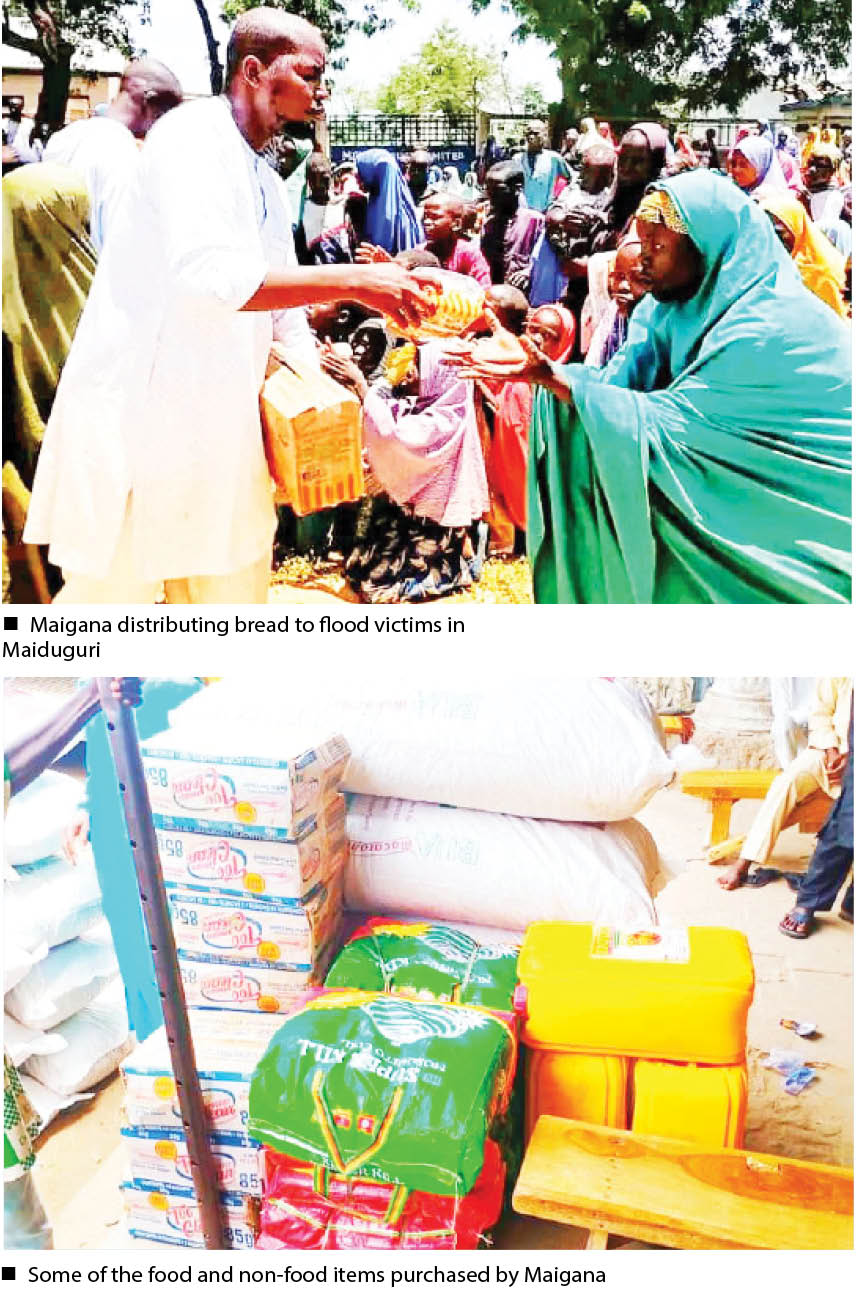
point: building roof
(837, 99)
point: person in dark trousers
(829, 865)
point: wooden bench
(722, 789)
(677, 724)
(678, 1194)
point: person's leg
(826, 874)
(247, 586)
(805, 774)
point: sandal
(798, 923)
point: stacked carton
(252, 847)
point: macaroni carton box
(239, 864)
(228, 1046)
(160, 1155)
(255, 786)
(209, 923)
(249, 985)
(170, 1216)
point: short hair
(149, 76)
(265, 33)
(600, 155)
(412, 258)
(450, 200)
(318, 159)
(506, 171)
(512, 306)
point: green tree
(624, 59)
(447, 75)
(53, 30)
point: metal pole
(123, 738)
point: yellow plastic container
(696, 1103)
(573, 1085)
(678, 995)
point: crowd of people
(653, 406)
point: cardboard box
(170, 1216)
(228, 1046)
(231, 788)
(161, 1156)
(238, 864)
(312, 438)
(209, 923)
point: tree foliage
(336, 19)
(447, 75)
(628, 58)
(54, 30)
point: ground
(81, 1163)
(297, 581)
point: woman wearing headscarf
(48, 267)
(754, 166)
(451, 182)
(710, 460)
(413, 537)
(819, 263)
(392, 221)
(642, 158)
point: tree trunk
(56, 76)
(212, 48)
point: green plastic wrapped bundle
(427, 961)
(387, 1088)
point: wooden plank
(679, 1194)
(741, 784)
(721, 810)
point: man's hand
(367, 253)
(835, 763)
(389, 290)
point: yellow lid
(678, 994)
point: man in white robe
(152, 474)
(104, 149)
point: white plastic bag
(63, 982)
(19, 1042)
(568, 748)
(458, 865)
(93, 1043)
(52, 901)
(39, 817)
(46, 1102)
(16, 960)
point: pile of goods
(65, 1020)
(252, 848)
(159, 1196)
(656, 1039)
(383, 1102)
(464, 811)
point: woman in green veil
(710, 461)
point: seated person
(829, 865)
(819, 767)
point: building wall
(85, 95)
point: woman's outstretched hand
(501, 355)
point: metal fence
(402, 132)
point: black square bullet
(8, 1273)
(10, 623)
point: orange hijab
(820, 264)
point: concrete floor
(81, 1160)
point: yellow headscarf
(820, 264)
(659, 208)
